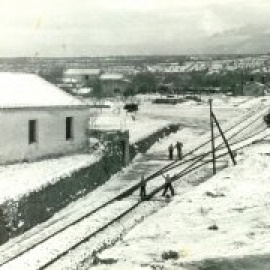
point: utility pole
(224, 138)
(212, 136)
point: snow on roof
(82, 71)
(83, 90)
(19, 90)
(112, 76)
(255, 83)
(69, 80)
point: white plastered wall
(51, 133)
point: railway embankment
(23, 213)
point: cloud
(117, 26)
(213, 24)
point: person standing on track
(179, 147)
(168, 185)
(142, 187)
(266, 119)
(170, 152)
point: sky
(120, 27)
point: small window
(32, 131)
(69, 128)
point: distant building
(113, 84)
(254, 89)
(267, 89)
(69, 85)
(38, 119)
(85, 77)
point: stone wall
(143, 145)
(39, 206)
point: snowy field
(151, 117)
(225, 200)
(225, 217)
(138, 129)
(221, 224)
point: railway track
(117, 218)
(240, 135)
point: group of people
(179, 149)
(167, 186)
(168, 180)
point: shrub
(132, 107)
(170, 255)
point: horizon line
(135, 55)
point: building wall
(113, 88)
(51, 133)
(82, 78)
(253, 90)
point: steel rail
(122, 195)
(118, 217)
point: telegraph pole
(212, 137)
(224, 138)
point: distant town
(130, 75)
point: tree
(97, 89)
(131, 108)
(145, 82)
(130, 92)
(53, 75)
(163, 89)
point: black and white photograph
(135, 135)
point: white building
(82, 76)
(38, 119)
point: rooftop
(83, 71)
(20, 90)
(112, 76)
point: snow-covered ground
(181, 226)
(151, 117)
(18, 179)
(223, 223)
(236, 201)
(138, 128)
(143, 164)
